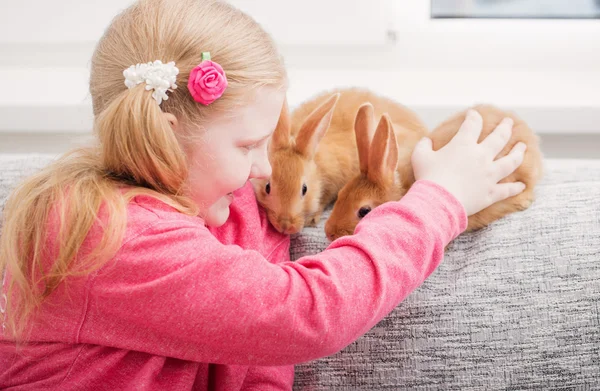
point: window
(479, 43)
(534, 9)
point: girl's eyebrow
(255, 141)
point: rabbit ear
(314, 127)
(383, 155)
(281, 136)
(364, 126)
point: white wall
(547, 71)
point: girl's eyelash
(255, 145)
(248, 148)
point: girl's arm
(261, 378)
(176, 291)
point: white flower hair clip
(158, 77)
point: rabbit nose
(290, 231)
(284, 225)
(287, 227)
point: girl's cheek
(238, 170)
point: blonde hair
(136, 148)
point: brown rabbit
(382, 162)
(313, 155)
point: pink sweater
(182, 307)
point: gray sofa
(513, 306)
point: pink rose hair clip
(207, 81)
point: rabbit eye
(268, 188)
(304, 189)
(362, 212)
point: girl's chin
(218, 213)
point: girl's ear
(172, 120)
(314, 127)
(281, 136)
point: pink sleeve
(269, 378)
(249, 228)
(177, 291)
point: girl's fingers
(496, 141)
(506, 165)
(503, 191)
(470, 130)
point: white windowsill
(552, 101)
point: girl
(144, 263)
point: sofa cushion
(515, 305)
(15, 167)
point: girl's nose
(261, 170)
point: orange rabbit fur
(313, 155)
(387, 172)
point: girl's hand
(468, 169)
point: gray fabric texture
(15, 167)
(514, 306)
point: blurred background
(540, 58)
